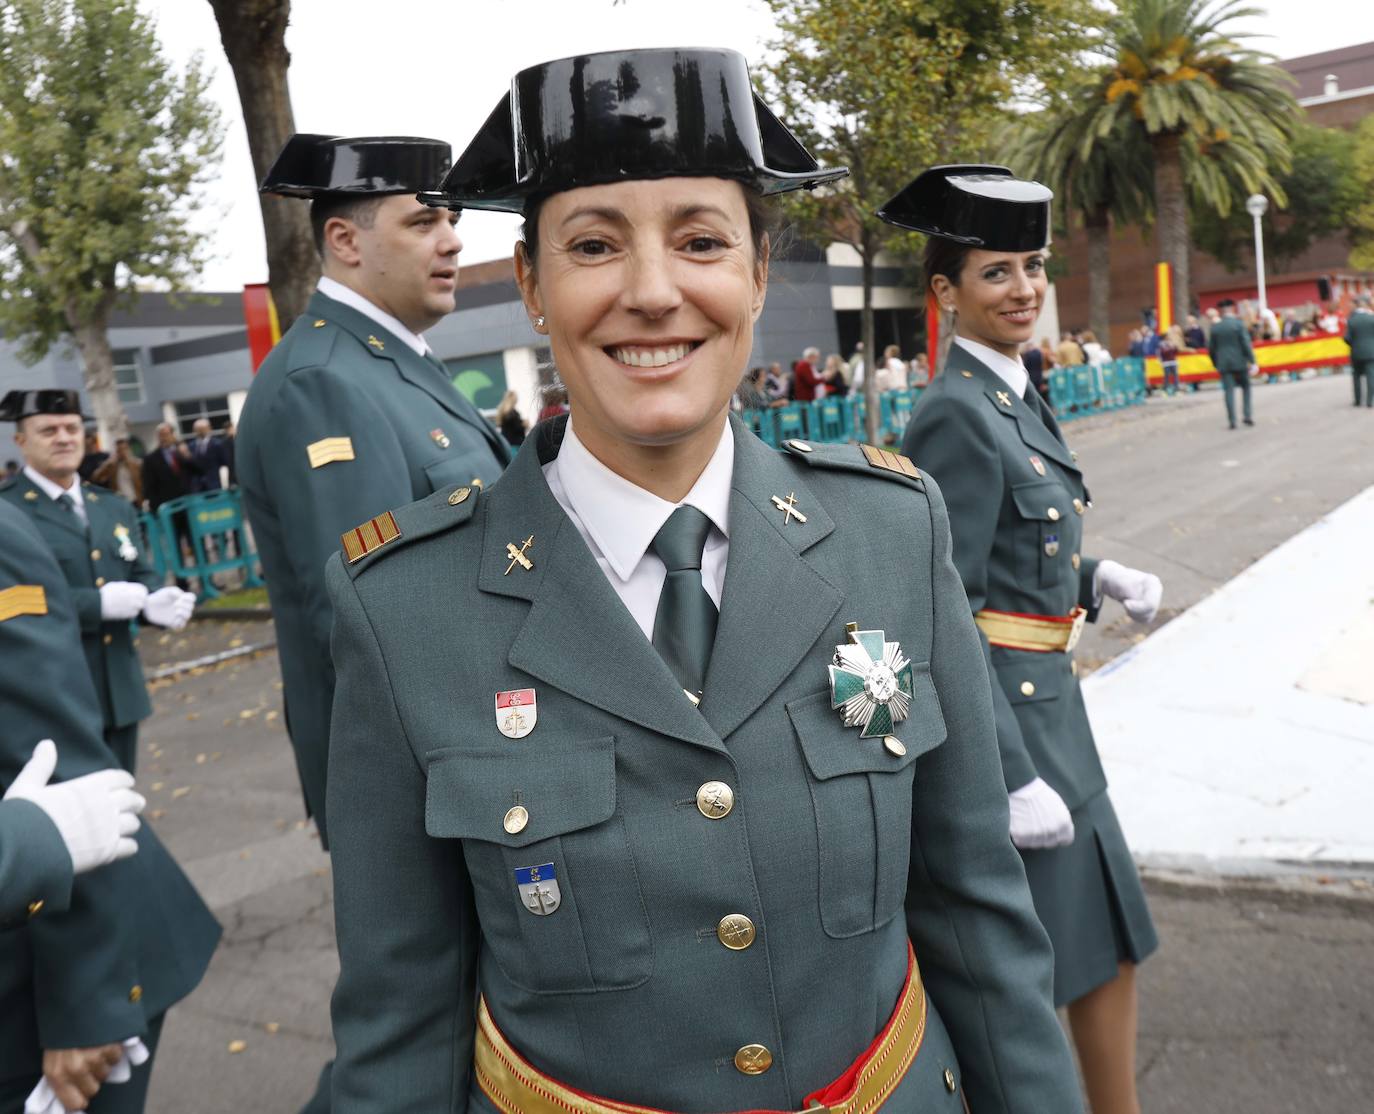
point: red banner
(260, 313)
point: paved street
(1260, 1000)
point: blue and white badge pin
(870, 682)
(127, 550)
(538, 886)
(517, 711)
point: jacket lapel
(49, 510)
(775, 605)
(1029, 425)
(577, 635)
(415, 369)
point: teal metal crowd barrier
(1073, 393)
(215, 523)
(833, 419)
(155, 545)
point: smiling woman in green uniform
(663, 771)
(1016, 502)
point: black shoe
(1249, 421)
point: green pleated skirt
(1089, 897)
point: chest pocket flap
(833, 749)
(563, 787)
(1035, 500)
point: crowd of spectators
(810, 377)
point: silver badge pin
(538, 886)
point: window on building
(191, 410)
(128, 376)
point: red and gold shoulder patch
(369, 537)
(890, 462)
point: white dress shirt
(351, 298)
(618, 521)
(1011, 371)
(53, 490)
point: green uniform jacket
(1229, 345)
(136, 938)
(1359, 334)
(90, 557)
(836, 849)
(399, 430)
(35, 867)
(1018, 539)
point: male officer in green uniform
(351, 414)
(49, 833)
(94, 534)
(82, 992)
(1234, 357)
(1359, 334)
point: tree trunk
(254, 36)
(867, 252)
(97, 361)
(1097, 222)
(1171, 208)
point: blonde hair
(508, 401)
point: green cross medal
(870, 683)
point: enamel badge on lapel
(440, 438)
(127, 552)
(517, 712)
(538, 886)
(1037, 464)
(870, 682)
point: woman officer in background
(651, 763)
(1016, 502)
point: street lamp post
(1256, 205)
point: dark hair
(362, 211)
(944, 257)
(763, 217)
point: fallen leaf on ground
(177, 794)
(235, 1047)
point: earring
(539, 321)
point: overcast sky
(374, 67)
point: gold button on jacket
(735, 931)
(715, 799)
(753, 1059)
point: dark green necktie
(68, 503)
(685, 623)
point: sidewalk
(1240, 737)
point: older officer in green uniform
(1234, 358)
(678, 751)
(95, 536)
(82, 992)
(49, 833)
(1359, 334)
(1016, 502)
(351, 413)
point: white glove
(122, 599)
(1039, 817)
(169, 607)
(96, 815)
(41, 1099)
(1139, 592)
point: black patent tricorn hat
(314, 165)
(18, 405)
(975, 204)
(625, 115)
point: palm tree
(1217, 114)
(1105, 179)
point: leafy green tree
(1323, 193)
(1362, 214)
(1215, 112)
(1103, 179)
(102, 149)
(892, 87)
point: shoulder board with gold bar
(23, 599)
(864, 459)
(391, 532)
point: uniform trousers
(1230, 380)
(114, 1098)
(1362, 372)
(123, 744)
